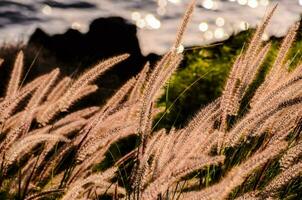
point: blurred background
(157, 20)
(76, 34)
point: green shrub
(201, 77)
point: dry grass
(38, 132)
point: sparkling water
(157, 20)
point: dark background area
(74, 52)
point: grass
(244, 143)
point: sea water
(156, 20)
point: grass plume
(50, 150)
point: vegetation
(245, 144)
(202, 74)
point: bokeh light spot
(203, 26)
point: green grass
(203, 73)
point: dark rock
(73, 51)
(106, 37)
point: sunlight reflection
(152, 22)
(208, 4)
(219, 33)
(242, 2)
(203, 27)
(243, 25)
(47, 10)
(253, 3)
(220, 21)
(208, 35)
